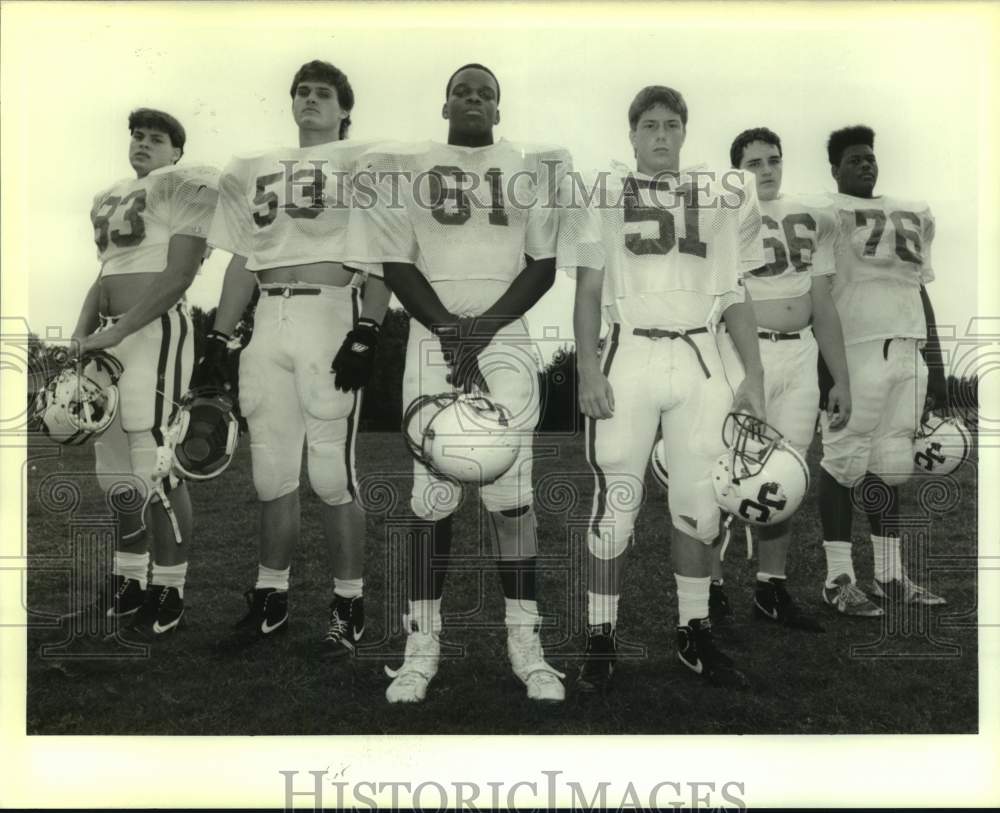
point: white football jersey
(135, 218)
(674, 250)
(466, 217)
(883, 256)
(289, 206)
(798, 236)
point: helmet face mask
(203, 435)
(81, 401)
(761, 479)
(461, 437)
(941, 445)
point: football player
(468, 246)
(796, 320)
(661, 252)
(883, 260)
(283, 216)
(150, 232)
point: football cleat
(81, 401)
(524, 647)
(761, 478)
(849, 599)
(461, 437)
(420, 665)
(904, 591)
(347, 625)
(719, 609)
(161, 613)
(118, 600)
(697, 651)
(598, 667)
(203, 434)
(267, 612)
(941, 445)
(772, 601)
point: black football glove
(355, 361)
(461, 344)
(214, 368)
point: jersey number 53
(119, 220)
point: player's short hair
(649, 97)
(846, 137)
(747, 137)
(477, 66)
(320, 71)
(158, 120)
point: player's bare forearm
(237, 289)
(527, 288)
(829, 334)
(742, 326)
(932, 350)
(597, 399)
(417, 296)
(184, 256)
(375, 297)
(89, 312)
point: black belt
(655, 333)
(775, 336)
(287, 292)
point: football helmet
(81, 401)
(761, 479)
(658, 463)
(461, 436)
(941, 445)
(203, 434)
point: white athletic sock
(692, 597)
(838, 561)
(520, 612)
(132, 566)
(602, 609)
(888, 559)
(427, 615)
(269, 577)
(348, 588)
(171, 576)
(766, 577)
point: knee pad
(328, 474)
(275, 473)
(516, 531)
(892, 459)
(514, 489)
(608, 544)
(434, 499)
(695, 513)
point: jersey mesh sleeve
(380, 229)
(231, 225)
(823, 263)
(541, 234)
(580, 242)
(193, 199)
(751, 242)
(927, 268)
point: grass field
(902, 674)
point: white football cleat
(524, 648)
(420, 664)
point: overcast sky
(567, 79)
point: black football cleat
(347, 626)
(119, 599)
(267, 613)
(697, 651)
(771, 601)
(719, 609)
(161, 613)
(598, 667)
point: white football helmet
(461, 436)
(81, 401)
(761, 480)
(658, 463)
(941, 445)
(203, 434)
